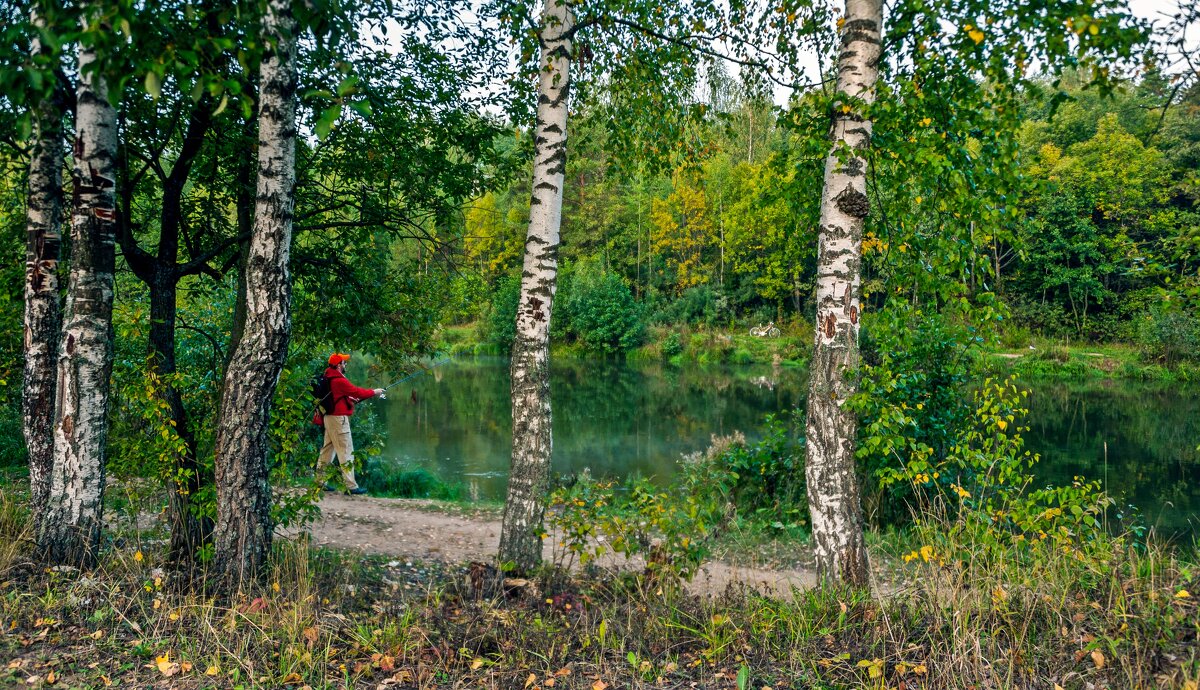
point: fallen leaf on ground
(165, 666)
(1098, 658)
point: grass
(701, 345)
(1050, 361)
(393, 479)
(328, 619)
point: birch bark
(833, 493)
(520, 534)
(70, 532)
(43, 227)
(243, 532)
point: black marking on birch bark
(855, 167)
(853, 202)
(552, 188)
(553, 128)
(861, 25)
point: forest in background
(1096, 241)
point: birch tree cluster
(214, 194)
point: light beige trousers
(337, 442)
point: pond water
(620, 420)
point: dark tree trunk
(70, 532)
(43, 227)
(244, 529)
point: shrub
(383, 477)
(695, 305)
(912, 399)
(672, 528)
(768, 484)
(1169, 336)
(601, 313)
(672, 345)
(499, 323)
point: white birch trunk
(71, 529)
(43, 227)
(520, 536)
(833, 493)
(243, 532)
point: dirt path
(408, 528)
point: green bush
(383, 477)
(601, 313)
(672, 345)
(499, 323)
(672, 528)
(768, 484)
(913, 398)
(1169, 336)
(699, 305)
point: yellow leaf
(1002, 424)
(50, 678)
(186, 666)
(107, 681)
(1098, 658)
(531, 679)
(976, 35)
(137, 556)
(599, 685)
(477, 664)
(1182, 594)
(165, 666)
(212, 670)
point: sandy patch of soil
(412, 529)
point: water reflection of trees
(613, 418)
(1151, 434)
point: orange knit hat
(337, 358)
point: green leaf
(153, 84)
(362, 108)
(327, 119)
(347, 86)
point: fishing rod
(423, 370)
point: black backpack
(322, 392)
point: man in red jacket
(338, 440)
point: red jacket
(344, 394)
